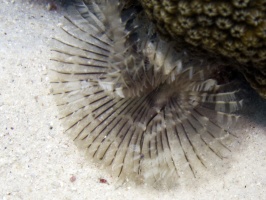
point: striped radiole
(145, 111)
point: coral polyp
(239, 22)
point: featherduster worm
(133, 102)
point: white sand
(37, 160)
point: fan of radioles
(140, 108)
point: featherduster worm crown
(133, 102)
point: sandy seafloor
(37, 161)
